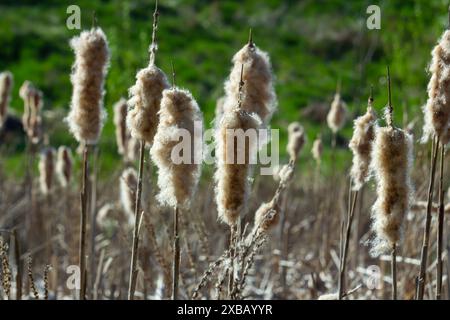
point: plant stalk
(426, 237)
(176, 255)
(137, 215)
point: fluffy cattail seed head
(6, 83)
(120, 122)
(391, 164)
(361, 146)
(145, 100)
(437, 109)
(267, 216)
(233, 176)
(107, 217)
(128, 184)
(296, 140)
(31, 119)
(87, 113)
(317, 149)
(46, 170)
(258, 94)
(337, 114)
(180, 125)
(64, 166)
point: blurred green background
(311, 43)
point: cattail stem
(426, 236)
(137, 214)
(18, 265)
(176, 255)
(351, 213)
(394, 271)
(440, 229)
(83, 222)
(93, 215)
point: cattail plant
(31, 119)
(337, 115)
(391, 164)
(296, 140)
(87, 113)
(361, 146)
(64, 166)
(46, 170)
(233, 162)
(317, 150)
(142, 121)
(6, 83)
(436, 124)
(258, 95)
(178, 173)
(128, 182)
(120, 122)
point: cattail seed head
(145, 100)
(179, 115)
(46, 170)
(107, 217)
(296, 140)
(361, 146)
(87, 113)
(391, 164)
(337, 115)
(267, 216)
(233, 177)
(6, 83)
(258, 94)
(120, 122)
(317, 149)
(31, 119)
(437, 109)
(64, 166)
(128, 183)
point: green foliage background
(312, 44)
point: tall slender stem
(83, 221)
(176, 255)
(440, 226)
(426, 236)
(137, 215)
(394, 271)
(351, 214)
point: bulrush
(317, 150)
(391, 163)
(6, 83)
(87, 113)
(233, 177)
(128, 182)
(64, 166)
(437, 109)
(296, 140)
(337, 115)
(178, 178)
(120, 122)
(46, 170)
(146, 94)
(361, 146)
(258, 95)
(31, 118)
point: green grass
(312, 44)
